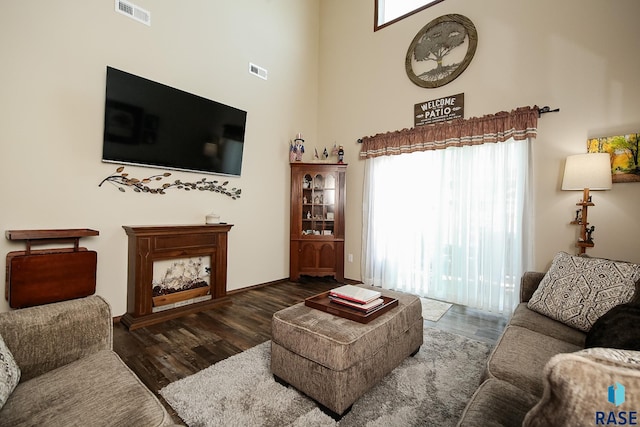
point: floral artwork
(624, 155)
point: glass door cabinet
(317, 220)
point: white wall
(576, 55)
(54, 56)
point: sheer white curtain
(450, 224)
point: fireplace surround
(193, 250)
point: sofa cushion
(523, 316)
(578, 386)
(497, 403)
(578, 290)
(520, 356)
(96, 390)
(9, 373)
(612, 356)
(48, 336)
(617, 328)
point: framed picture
(441, 51)
(624, 155)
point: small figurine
(315, 156)
(298, 147)
(325, 154)
(292, 152)
(589, 233)
(334, 150)
(341, 155)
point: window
(389, 11)
(449, 224)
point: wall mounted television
(150, 124)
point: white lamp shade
(591, 170)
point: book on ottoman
(362, 307)
(355, 294)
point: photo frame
(623, 149)
(437, 55)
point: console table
(150, 244)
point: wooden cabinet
(317, 220)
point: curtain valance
(518, 124)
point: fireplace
(180, 282)
(174, 270)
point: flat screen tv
(151, 124)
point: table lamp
(591, 171)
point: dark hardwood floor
(169, 351)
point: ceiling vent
(133, 11)
(257, 71)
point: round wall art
(441, 51)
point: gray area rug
(433, 310)
(431, 388)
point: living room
(332, 78)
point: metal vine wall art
(122, 180)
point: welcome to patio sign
(439, 110)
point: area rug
(433, 310)
(431, 388)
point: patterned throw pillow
(578, 290)
(9, 373)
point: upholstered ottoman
(334, 360)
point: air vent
(133, 11)
(257, 71)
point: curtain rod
(541, 111)
(546, 109)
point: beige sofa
(69, 375)
(540, 362)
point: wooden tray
(323, 303)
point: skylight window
(389, 11)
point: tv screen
(151, 124)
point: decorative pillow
(612, 356)
(9, 373)
(577, 291)
(617, 328)
(586, 386)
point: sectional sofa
(539, 372)
(57, 368)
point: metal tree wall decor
(435, 56)
(121, 180)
